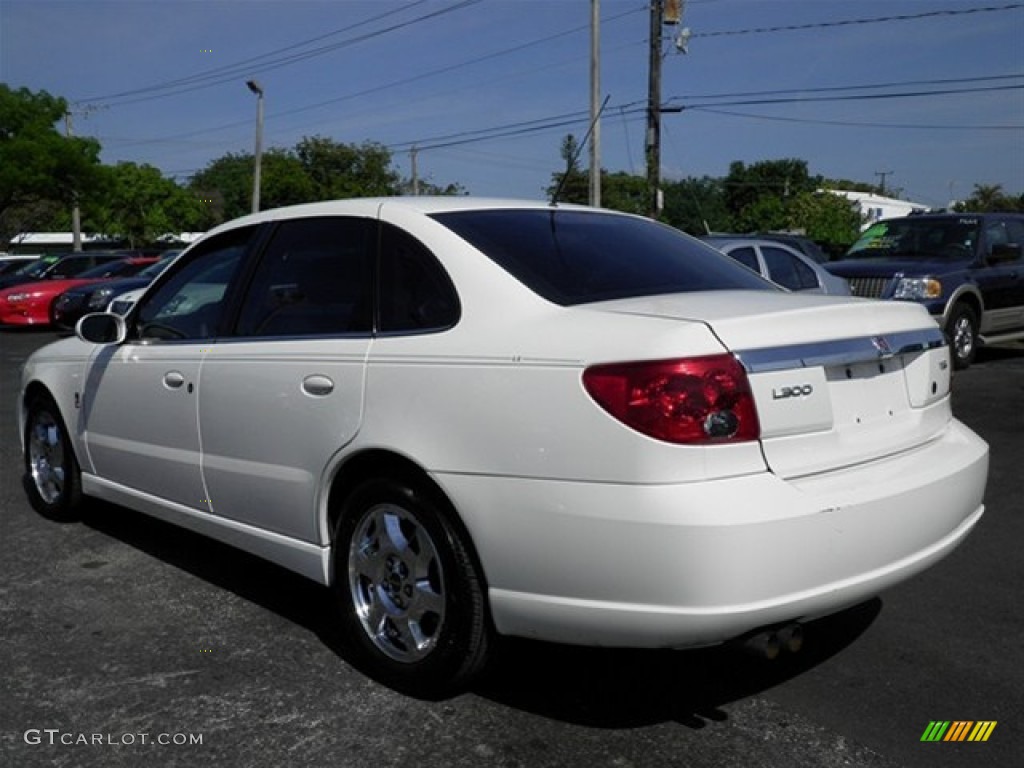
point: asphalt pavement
(127, 642)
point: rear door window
(746, 256)
(787, 270)
(314, 278)
(416, 294)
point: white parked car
(473, 417)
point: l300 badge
(801, 390)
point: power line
(217, 71)
(858, 97)
(853, 22)
(394, 84)
(861, 87)
(229, 73)
(857, 124)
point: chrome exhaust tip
(770, 643)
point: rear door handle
(317, 385)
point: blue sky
(435, 72)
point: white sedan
(473, 417)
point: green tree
(697, 205)
(317, 168)
(37, 163)
(139, 204)
(571, 185)
(757, 195)
(339, 170)
(624, 192)
(225, 185)
(990, 198)
(826, 218)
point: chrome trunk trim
(840, 351)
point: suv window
(189, 305)
(952, 237)
(787, 270)
(415, 291)
(1004, 232)
(574, 257)
(315, 277)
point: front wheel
(412, 602)
(52, 476)
(962, 331)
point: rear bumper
(700, 563)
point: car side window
(314, 278)
(189, 305)
(787, 270)
(1008, 232)
(415, 292)
(746, 256)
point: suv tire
(962, 332)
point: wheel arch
(378, 462)
(33, 390)
(968, 296)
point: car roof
(955, 215)
(424, 204)
(720, 240)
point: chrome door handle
(317, 385)
(173, 379)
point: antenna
(579, 149)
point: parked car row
(57, 290)
(966, 269)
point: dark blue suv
(966, 268)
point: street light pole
(258, 160)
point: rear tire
(413, 607)
(962, 332)
(53, 480)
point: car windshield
(575, 257)
(36, 268)
(952, 237)
(157, 267)
(114, 269)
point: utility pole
(653, 144)
(659, 17)
(76, 214)
(595, 98)
(415, 173)
(881, 184)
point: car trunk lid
(837, 381)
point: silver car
(781, 264)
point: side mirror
(1004, 252)
(101, 328)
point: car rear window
(576, 257)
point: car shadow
(623, 688)
(597, 687)
(1000, 352)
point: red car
(29, 303)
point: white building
(872, 207)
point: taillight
(694, 400)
